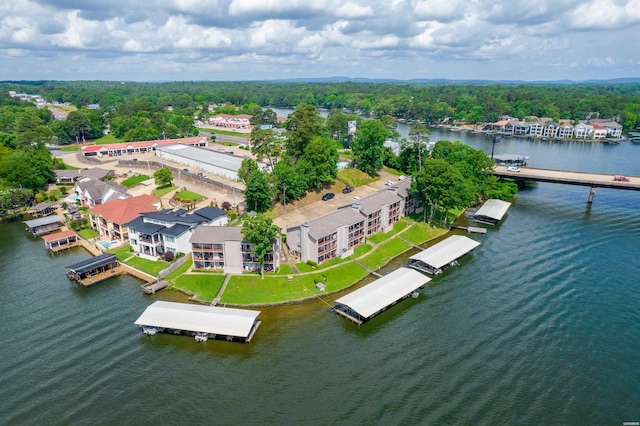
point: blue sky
(274, 39)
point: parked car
(388, 183)
(328, 196)
(513, 169)
(402, 177)
(347, 189)
(621, 179)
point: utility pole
(284, 198)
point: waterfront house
(224, 248)
(153, 233)
(565, 131)
(521, 128)
(536, 129)
(583, 130)
(91, 192)
(109, 219)
(550, 129)
(599, 132)
(71, 176)
(614, 129)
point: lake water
(539, 325)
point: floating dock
(368, 301)
(492, 211)
(445, 253)
(201, 322)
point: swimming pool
(343, 165)
(108, 244)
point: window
(134, 242)
(170, 238)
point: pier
(95, 270)
(445, 253)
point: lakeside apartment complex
(545, 127)
(339, 233)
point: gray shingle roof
(216, 234)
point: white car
(513, 169)
(388, 183)
(402, 177)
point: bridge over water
(593, 180)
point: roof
(372, 298)
(98, 189)
(142, 227)
(375, 201)
(210, 212)
(124, 210)
(493, 209)
(141, 144)
(93, 263)
(225, 161)
(59, 236)
(216, 234)
(42, 221)
(328, 224)
(175, 230)
(446, 251)
(198, 318)
(42, 206)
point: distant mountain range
(449, 81)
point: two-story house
(109, 219)
(153, 233)
(91, 192)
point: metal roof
(225, 161)
(372, 298)
(446, 251)
(493, 209)
(199, 318)
(48, 220)
(92, 263)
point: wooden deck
(102, 276)
(66, 246)
(152, 287)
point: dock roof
(63, 235)
(372, 298)
(92, 263)
(446, 251)
(34, 223)
(199, 318)
(493, 209)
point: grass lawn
(205, 287)
(181, 270)
(380, 237)
(187, 195)
(88, 233)
(122, 252)
(421, 232)
(304, 267)
(392, 171)
(225, 132)
(134, 180)
(285, 269)
(107, 139)
(151, 267)
(355, 177)
(228, 143)
(159, 192)
(246, 289)
(384, 253)
(69, 148)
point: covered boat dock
(61, 240)
(94, 270)
(445, 253)
(43, 209)
(492, 211)
(44, 225)
(201, 322)
(368, 301)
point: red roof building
(130, 148)
(109, 218)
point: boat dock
(368, 301)
(63, 240)
(152, 287)
(372, 272)
(201, 322)
(446, 253)
(472, 229)
(95, 270)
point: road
(571, 178)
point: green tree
(368, 146)
(257, 193)
(247, 167)
(318, 164)
(303, 124)
(289, 183)
(260, 231)
(163, 177)
(79, 125)
(265, 145)
(418, 135)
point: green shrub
(312, 263)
